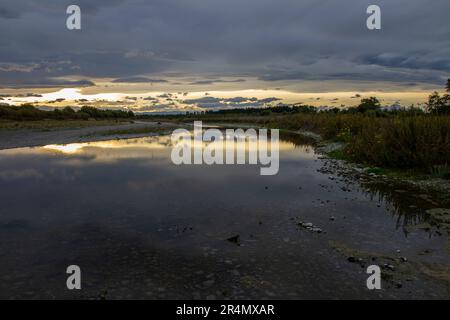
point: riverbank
(41, 133)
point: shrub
(369, 104)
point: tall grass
(401, 142)
(421, 142)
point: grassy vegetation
(30, 113)
(406, 142)
(30, 117)
(45, 125)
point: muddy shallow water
(141, 227)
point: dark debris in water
(235, 239)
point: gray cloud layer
(267, 39)
(138, 80)
(235, 102)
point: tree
(368, 104)
(437, 104)
(448, 86)
(68, 110)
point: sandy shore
(10, 139)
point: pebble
(310, 227)
(389, 266)
(208, 283)
(235, 273)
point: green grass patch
(338, 154)
(377, 171)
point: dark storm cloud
(240, 99)
(94, 6)
(269, 100)
(138, 80)
(207, 82)
(153, 99)
(5, 13)
(234, 102)
(46, 83)
(27, 95)
(270, 40)
(155, 107)
(204, 100)
(409, 62)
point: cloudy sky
(158, 55)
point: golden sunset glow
(176, 101)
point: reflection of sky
(136, 172)
(149, 147)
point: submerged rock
(318, 230)
(352, 259)
(389, 267)
(306, 224)
(235, 239)
(310, 227)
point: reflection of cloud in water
(65, 148)
(156, 147)
(89, 147)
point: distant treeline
(29, 112)
(365, 108)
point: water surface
(142, 227)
